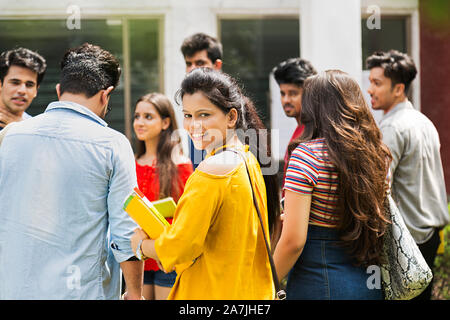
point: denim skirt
(324, 271)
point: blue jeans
(160, 278)
(324, 271)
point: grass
(441, 284)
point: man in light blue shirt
(64, 176)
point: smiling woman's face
(206, 123)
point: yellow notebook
(145, 214)
(165, 206)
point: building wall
(181, 18)
(335, 21)
(434, 75)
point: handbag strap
(281, 294)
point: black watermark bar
(221, 309)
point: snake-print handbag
(406, 273)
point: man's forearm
(133, 273)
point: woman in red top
(161, 169)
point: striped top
(310, 172)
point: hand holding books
(149, 216)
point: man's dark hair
(398, 66)
(87, 70)
(294, 71)
(200, 41)
(25, 58)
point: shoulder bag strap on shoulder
(281, 295)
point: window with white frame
(392, 32)
(51, 38)
(252, 47)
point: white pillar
(183, 19)
(282, 126)
(330, 35)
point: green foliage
(436, 10)
(441, 270)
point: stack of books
(150, 216)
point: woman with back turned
(335, 189)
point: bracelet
(139, 253)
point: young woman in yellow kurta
(215, 242)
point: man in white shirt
(417, 175)
(21, 73)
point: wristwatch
(139, 254)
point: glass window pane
(51, 38)
(144, 58)
(252, 47)
(391, 35)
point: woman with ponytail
(216, 243)
(335, 189)
(161, 170)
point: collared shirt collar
(399, 106)
(78, 108)
(26, 116)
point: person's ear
(35, 94)
(105, 95)
(58, 91)
(399, 89)
(232, 117)
(218, 64)
(165, 123)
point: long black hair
(224, 92)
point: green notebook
(165, 206)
